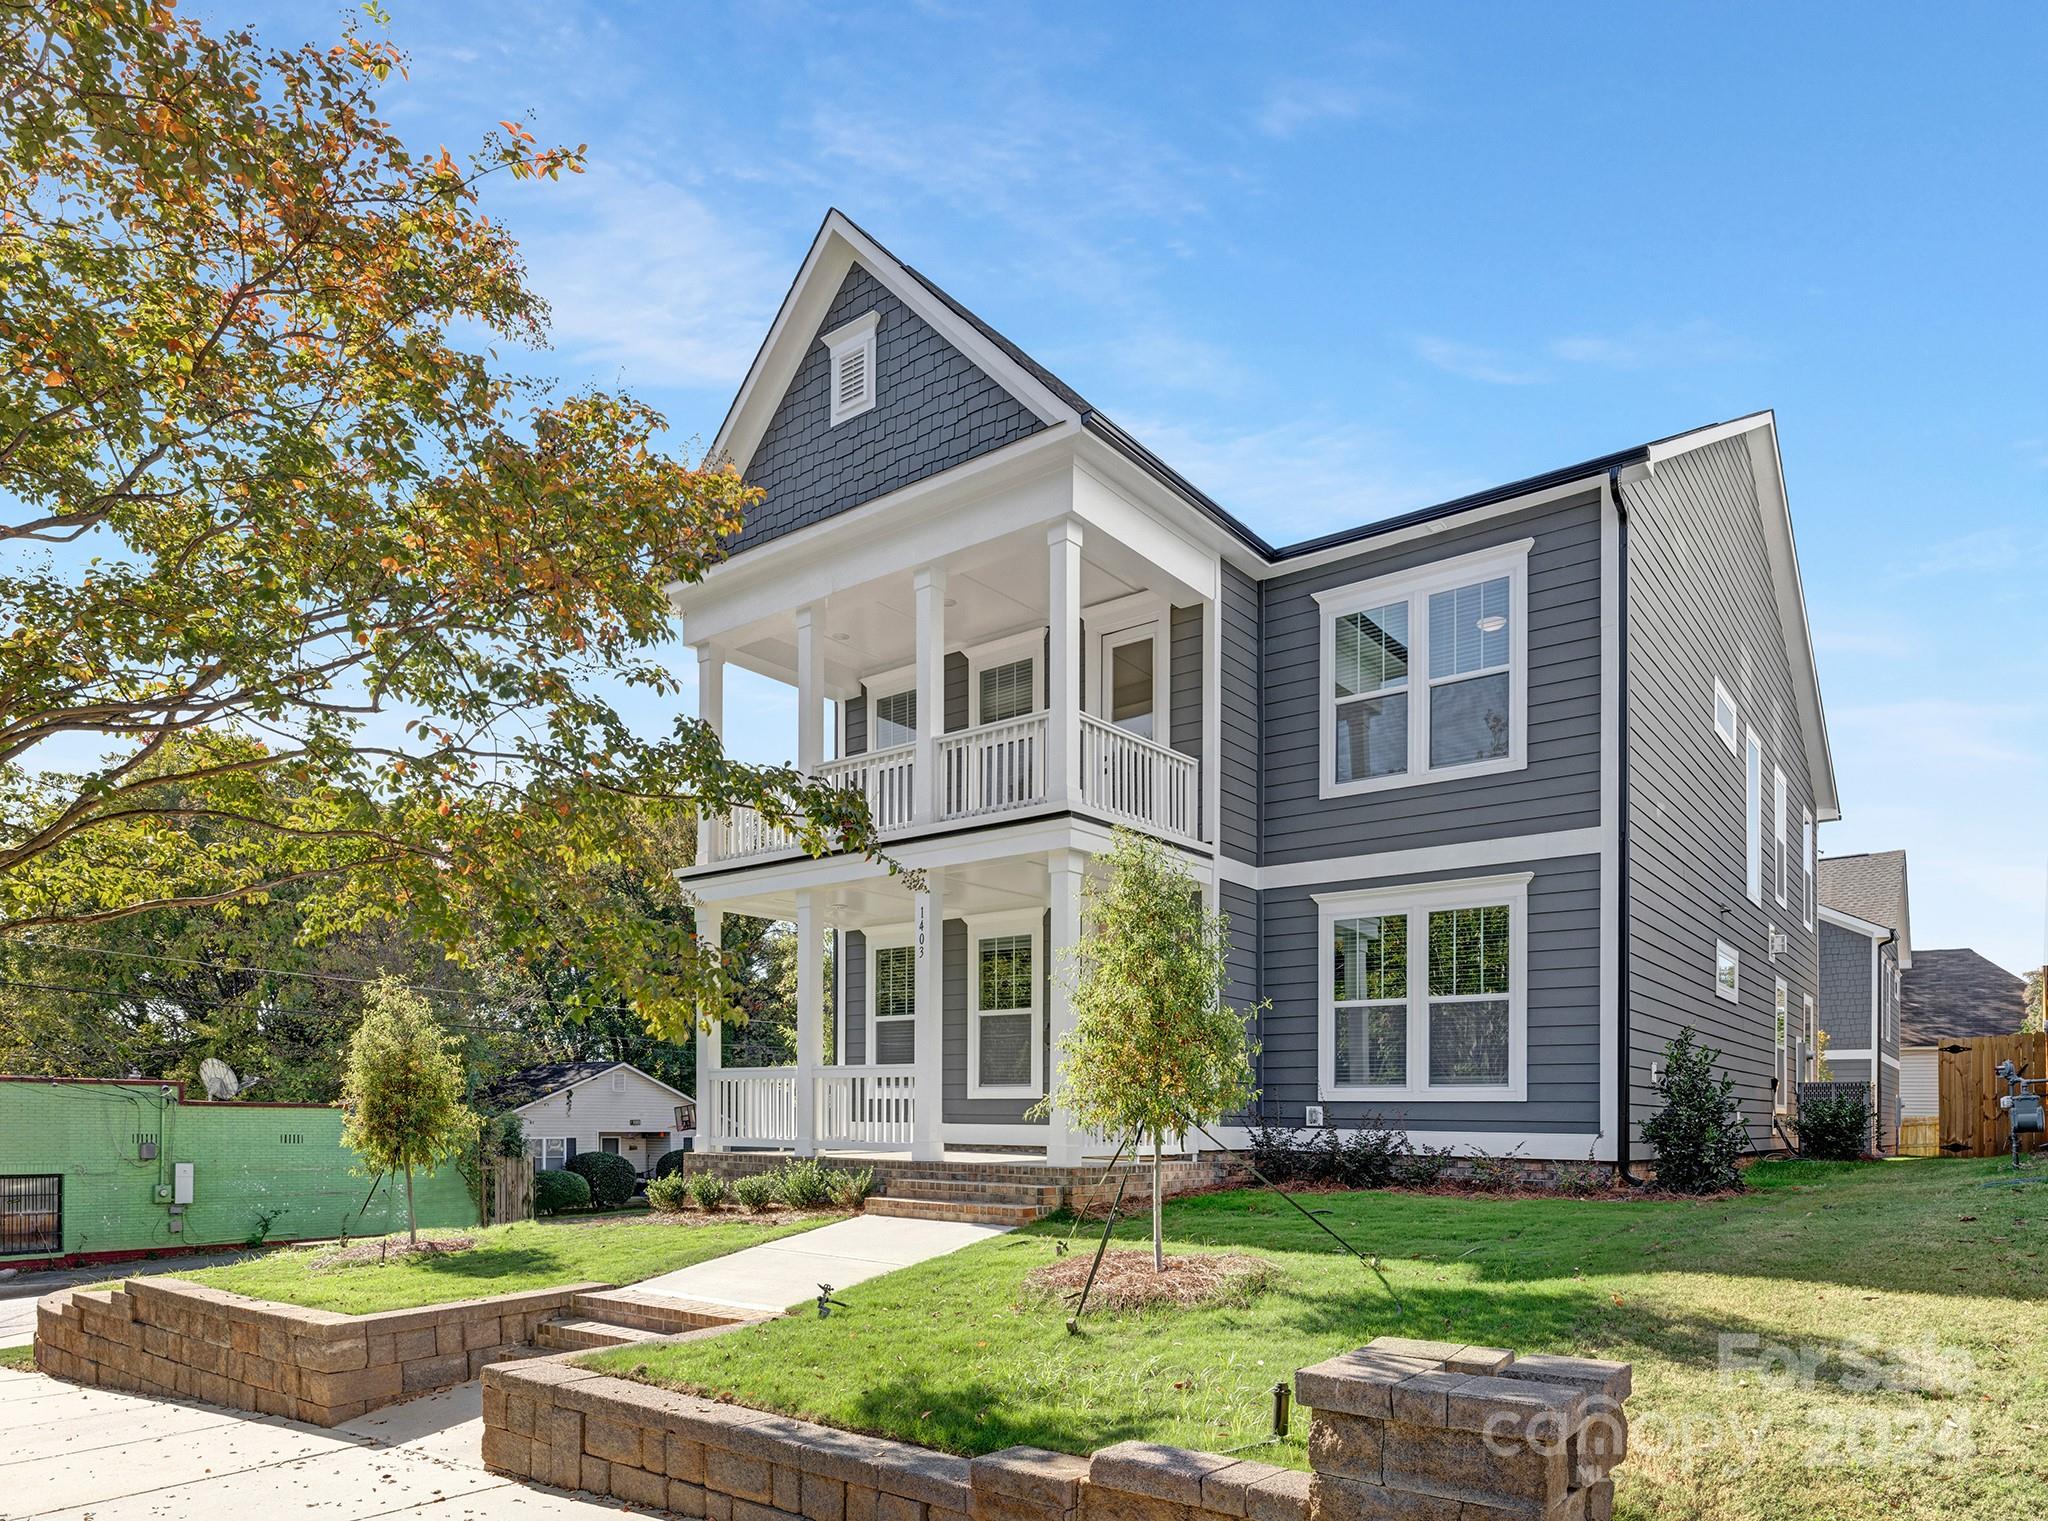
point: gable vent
(852, 348)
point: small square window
(1724, 716)
(852, 361)
(1008, 691)
(1727, 972)
(895, 720)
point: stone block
(861, 1500)
(636, 1486)
(685, 1498)
(448, 1337)
(1513, 1408)
(1600, 1442)
(425, 1373)
(1227, 1491)
(890, 1507)
(788, 1483)
(1099, 1502)
(519, 1413)
(611, 1440)
(1467, 1465)
(1332, 1497)
(989, 1506)
(942, 1513)
(683, 1458)
(382, 1346)
(410, 1346)
(483, 1331)
(1281, 1496)
(1600, 1500)
(507, 1452)
(1591, 1376)
(562, 1432)
(749, 1510)
(932, 1478)
(1048, 1479)
(1356, 1383)
(1423, 1399)
(742, 1477)
(1155, 1470)
(156, 1341)
(593, 1474)
(331, 1354)
(379, 1386)
(717, 1507)
(1346, 1444)
(820, 1498)
(843, 1455)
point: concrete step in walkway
(966, 1211)
(565, 1334)
(957, 1191)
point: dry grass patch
(392, 1249)
(1127, 1280)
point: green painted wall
(247, 1159)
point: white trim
(979, 927)
(855, 339)
(1725, 992)
(1753, 818)
(1841, 920)
(540, 1144)
(898, 937)
(1414, 587)
(1611, 614)
(1418, 902)
(594, 1076)
(1107, 636)
(1537, 1144)
(1732, 735)
(1028, 644)
(892, 683)
(1889, 1060)
(970, 1133)
(1809, 866)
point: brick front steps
(968, 1211)
(1401, 1431)
(620, 1317)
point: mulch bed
(1127, 1280)
(395, 1249)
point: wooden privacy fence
(511, 1189)
(1972, 1124)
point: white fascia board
(1470, 855)
(1841, 920)
(1103, 504)
(837, 247)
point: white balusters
(866, 1106)
(1138, 780)
(754, 1105)
(993, 767)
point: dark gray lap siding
(1563, 1007)
(934, 409)
(1560, 786)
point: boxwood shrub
(555, 1191)
(610, 1176)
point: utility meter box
(163, 1193)
(181, 1182)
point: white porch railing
(865, 1106)
(886, 778)
(1137, 779)
(754, 1106)
(743, 832)
(992, 768)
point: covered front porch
(935, 1035)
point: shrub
(1370, 1157)
(1489, 1174)
(1699, 1132)
(507, 1137)
(805, 1183)
(610, 1176)
(1424, 1166)
(1834, 1127)
(706, 1190)
(668, 1194)
(755, 1191)
(850, 1190)
(668, 1162)
(555, 1191)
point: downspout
(1621, 843)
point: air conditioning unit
(1314, 1118)
(1779, 944)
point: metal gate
(31, 1215)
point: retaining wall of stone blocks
(166, 1336)
(1402, 1431)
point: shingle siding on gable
(1702, 605)
(1844, 1007)
(934, 409)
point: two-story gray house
(1499, 793)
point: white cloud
(1932, 735)
(1294, 104)
(1983, 551)
(1472, 362)
(1654, 346)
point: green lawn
(1815, 1255)
(17, 1357)
(533, 1254)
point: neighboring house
(1499, 793)
(1950, 996)
(1866, 944)
(567, 1107)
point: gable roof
(1871, 886)
(1957, 994)
(529, 1085)
(840, 243)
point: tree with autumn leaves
(305, 586)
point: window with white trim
(1007, 691)
(1725, 717)
(852, 373)
(1810, 1067)
(1727, 972)
(1424, 674)
(1005, 1039)
(548, 1153)
(1808, 867)
(1424, 991)
(1782, 851)
(1782, 1093)
(892, 999)
(1753, 818)
(892, 718)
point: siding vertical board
(1702, 605)
(1560, 786)
(934, 409)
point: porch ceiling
(983, 887)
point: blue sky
(1336, 264)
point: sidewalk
(18, 1295)
(778, 1274)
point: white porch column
(927, 1143)
(1063, 667)
(810, 1018)
(711, 709)
(710, 1043)
(810, 691)
(1064, 1143)
(930, 582)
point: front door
(1128, 696)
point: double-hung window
(892, 719)
(1425, 673)
(549, 1153)
(1005, 1039)
(892, 998)
(1753, 818)
(1783, 1086)
(1727, 972)
(1424, 991)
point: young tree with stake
(1154, 1047)
(402, 1096)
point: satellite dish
(218, 1078)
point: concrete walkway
(95, 1455)
(18, 1294)
(778, 1274)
